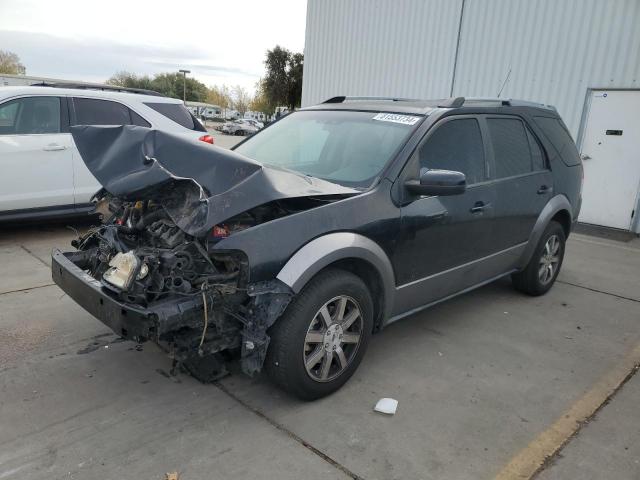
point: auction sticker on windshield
(396, 118)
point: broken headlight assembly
(124, 268)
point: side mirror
(438, 182)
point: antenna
(504, 83)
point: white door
(35, 157)
(611, 158)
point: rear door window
(537, 155)
(177, 113)
(138, 120)
(511, 148)
(30, 116)
(91, 111)
(456, 145)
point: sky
(220, 41)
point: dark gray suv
(291, 250)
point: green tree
(171, 85)
(276, 80)
(131, 80)
(168, 84)
(10, 63)
(296, 63)
(282, 83)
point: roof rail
(488, 101)
(97, 86)
(506, 102)
(453, 102)
(341, 99)
(526, 103)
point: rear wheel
(543, 268)
(320, 340)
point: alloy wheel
(549, 260)
(333, 338)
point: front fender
(327, 249)
(553, 206)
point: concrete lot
(224, 141)
(478, 379)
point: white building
(583, 56)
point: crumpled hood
(198, 184)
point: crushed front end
(146, 279)
(152, 271)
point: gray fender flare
(553, 206)
(324, 250)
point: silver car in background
(241, 127)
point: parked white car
(241, 127)
(43, 174)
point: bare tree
(241, 99)
(10, 63)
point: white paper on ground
(386, 405)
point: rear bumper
(129, 321)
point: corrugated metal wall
(379, 47)
(554, 49)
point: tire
(302, 340)
(537, 278)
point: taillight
(220, 231)
(207, 139)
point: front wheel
(543, 268)
(320, 340)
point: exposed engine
(202, 305)
(143, 257)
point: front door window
(30, 115)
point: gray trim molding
(327, 249)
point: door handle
(584, 156)
(53, 147)
(543, 189)
(478, 207)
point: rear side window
(178, 114)
(93, 111)
(510, 147)
(456, 145)
(30, 116)
(557, 134)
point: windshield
(348, 148)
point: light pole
(184, 84)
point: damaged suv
(288, 252)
